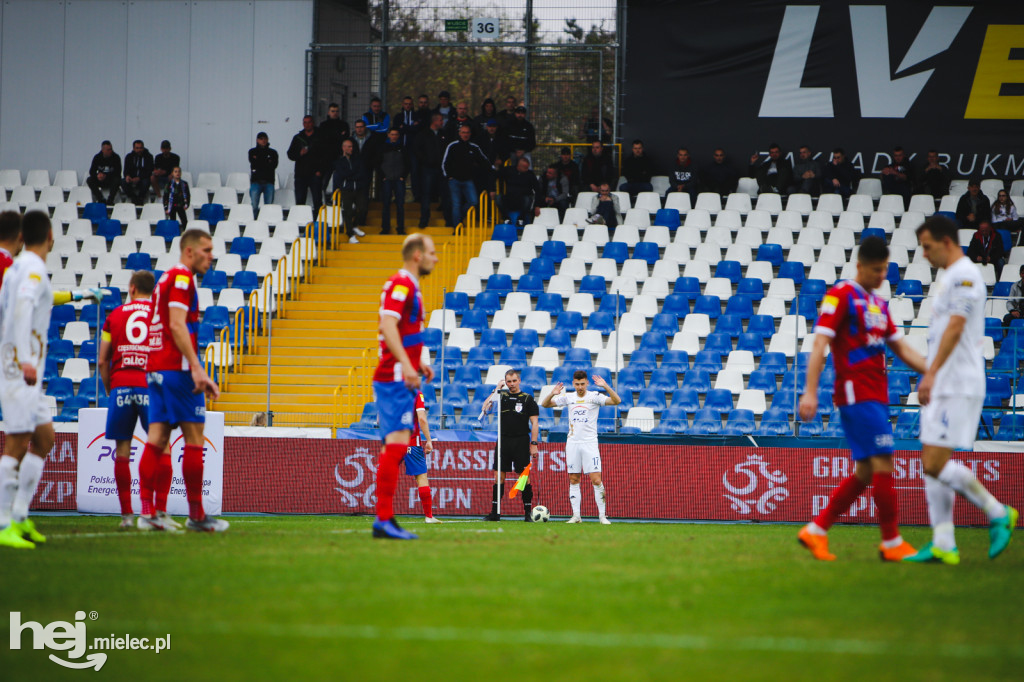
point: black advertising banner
(740, 74)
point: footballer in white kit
(952, 393)
(581, 452)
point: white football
(540, 513)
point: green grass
(309, 598)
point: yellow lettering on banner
(995, 68)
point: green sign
(456, 25)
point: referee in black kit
(520, 433)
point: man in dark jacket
(720, 175)
(774, 174)
(138, 168)
(393, 168)
(488, 111)
(683, 177)
(163, 164)
(105, 174)
(462, 161)
(444, 106)
(806, 173)
(409, 123)
(334, 129)
(429, 150)
(897, 177)
(638, 170)
(520, 133)
(521, 192)
(308, 152)
(839, 175)
(935, 178)
(555, 190)
(495, 148)
(262, 170)
(568, 169)
(456, 121)
(508, 114)
(597, 168)
(986, 247)
(350, 179)
(974, 207)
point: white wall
(205, 74)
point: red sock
(387, 479)
(842, 498)
(147, 475)
(888, 507)
(425, 500)
(192, 472)
(123, 476)
(164, 474)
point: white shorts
(25, 407)
(951, 421)
(582, 457)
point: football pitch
(310, 598)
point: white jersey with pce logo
(26, 302)
(583, 413)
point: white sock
(8, 488)
(961, 479)
(599, 498)
(940, 512)
(815, 529)
(895, 542)
(574, 498)
(29, 473)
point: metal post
(618, 326)
(497, 452)
(796, 375)
(99, 307)
(385, 36)
(270, 341)
(527, 74)
(444, 338)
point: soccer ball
(540, 513)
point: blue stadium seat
(793, 270)
(719, 400)
(994, 328)
(785, 400)
(676, 360)
(535, 378)
(542, 267)
(457, 396)
(643, 360)
(95, 212)
(617, 251)
(113, 299)
(794, 380)
(571, 320)
(647, 251)
(479, 358)
(488, 301)
(908, 425)
(900, 383)
(1011, 427)
(205, 335)
(911, 288)
(243, 247)
(771, 253)
(527, 339)
(1002, 289)
(108, 229)
(505, 232)
(432, 339)
(578, 357)
(806, 306)
(555, 250)
(515, 357)
(60, 388)
(654, 341)
(558, 338)
(609, 301)
(893, 275)
(762, 325)
(740, 304)
(815, 288)
(774, 362)
(493, 339)
(246, 280)
(872, 232)
(762, 380)
(677, 304)
(475, 320)
(213, 214)
(469, 374)
(986, 425)
(708, 305)
(669, 217)
(706, 422)
(168, 229)
(550, 303)
(595, 285)
(1007, 363)
(1008, 239)
(751, 287)
(546, 418)
(62, 314)
(834, 428)
(89, 314)
(774, 423)
(812, 428)
(997, 389)
(739, 423)
(729, 323)
(730, 270)
(688, 287)
(697, 379)
(69, 410)
(51, 370)
(651, 398)
(752, 342)
(685, 399)
(531, 284)
(602, 322)
(61, 350)
(500, 284)
(602, 372)
(87, 389)
(563, 373)
(88, 350)
(456, 301)
(665, 323)
(718, 342)
(606, 417)
(215, 280)
(664, 379)
(217, 316)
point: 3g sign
(484, 29)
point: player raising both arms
(26, 302)
(415, 458)
(952, 392)
(178, 382)
(857, 324)
(397, 379)
(581, 453)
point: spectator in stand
(935, 178)
(1015, 302)
(429, 150)
(604, 208)
(556, 191)
(361, 137)
(521, 192)
(896, 177)
(366, 146)
(462, 161)
(459, 119)
(839, 176)
(393, 167)
(1004, 215)
(444, 106)
(105, 174)
(521, 136)
(488, 111)
(350, 180)
(138, 170)
(177, 198)
(597, 168)
(163, 164)
(508, 114)
(638, 170)
(720, 175)
(262, 171)
(495, 148)
(308, 152)
(568, 169)
(334, 129)
(973, 207)
(376, 119)
(774, 175)
(806, 173)
(987, 247)
(596, 127)
(409, 123)
(683, 177)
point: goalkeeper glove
(92, 293)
